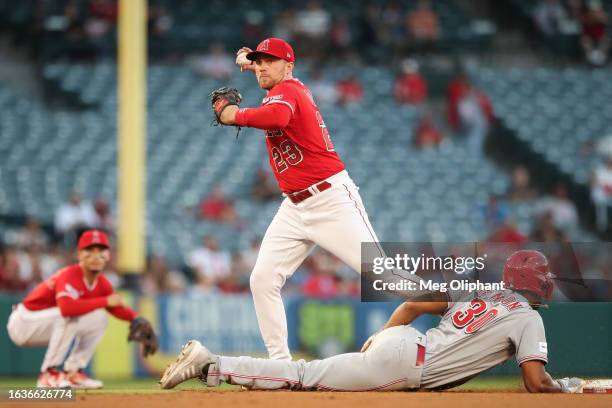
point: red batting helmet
(529, 270)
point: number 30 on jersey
(473, 316)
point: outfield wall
(579, 334)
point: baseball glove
(142, 332)
(222, 98)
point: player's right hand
(242, 61)
(114, 300)
(571, 385)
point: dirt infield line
(296, 399)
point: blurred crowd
(586, 18)
(87, 28)
(554, 215)
(379, 32)
(31, 252)
(29, 255)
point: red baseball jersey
(69, 290)
(302, 153)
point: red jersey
(68, 290)
(301, 154)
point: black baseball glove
(221, 99)
(142, 332)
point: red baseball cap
(93, 237)
(275, 47)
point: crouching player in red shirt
(71, 306)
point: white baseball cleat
(189, 364)
(79, 379)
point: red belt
(420, 358)
(304, 194)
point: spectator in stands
(10, 280)
(323, 90)
(253, 26)
(265, 187)
(549, 16)
(508, 233)
(238, 279)
(521, 188)
(422, 24)
(410, 87)
(314, 22)
(218, 208)
(160, 278)
(31, 234)
(350, 91)
(495, 212)
(210, 264)
(546, 231)
(393, 32)
(370, 32)
(456, 89)
(603, 147)
(284, 24)
(159, 21)
(57, 256)
(217, 64)
(321, 282)
(104, 9)
(601, 194)
(104, 218)
(594, 38)
(563, 211)
(341, 36)
(249, 255)
(30, 261)
(427, 134)
(74, 217)
(475, 113)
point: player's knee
(93, 321)
(17, 338)
(99, 318)
(261, 283)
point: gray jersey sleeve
(457, 296)
(529, 340)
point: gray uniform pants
(389, 364)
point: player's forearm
(272, 116)
(404, 314)
(122, 313)
(545, 384)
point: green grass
(492, 383)
(149, 385)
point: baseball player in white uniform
(322, 205)
(478, 331)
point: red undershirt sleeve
(123, 312)
(70, 307)
(272, 116)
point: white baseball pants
(391, 363)
(48, 327)
(334, 219)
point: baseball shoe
(79, 379)
(52, 378)
(192, 359)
